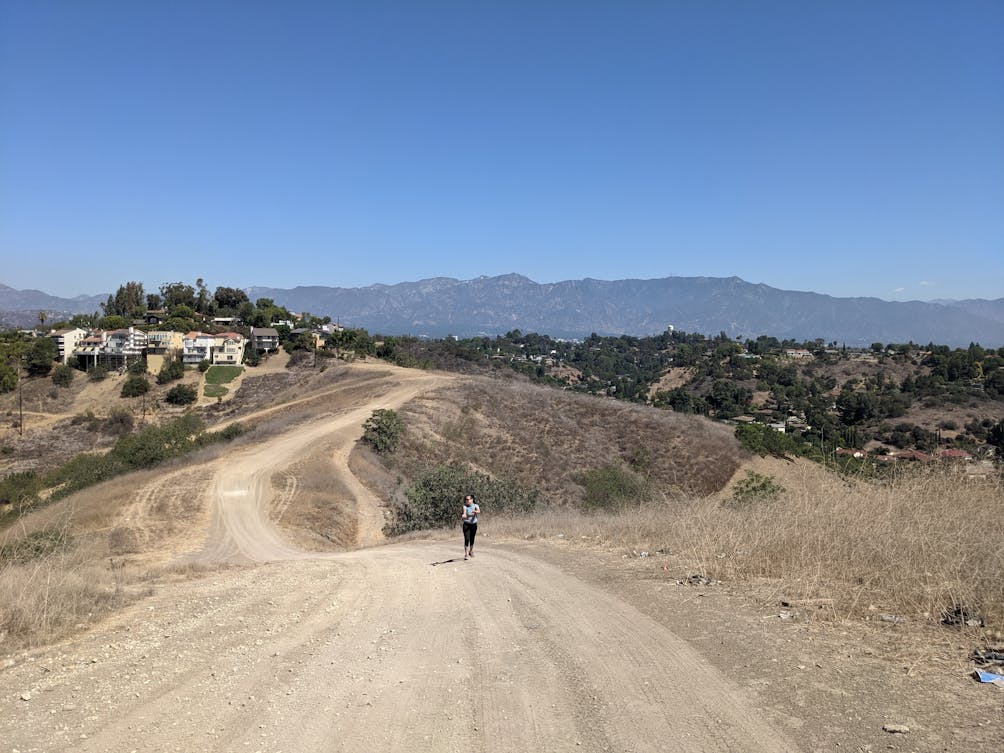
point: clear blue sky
(847, 147)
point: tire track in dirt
(240, 494)
(381, 650)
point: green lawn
(222, 374)
(215, 390)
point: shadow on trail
(447, 562)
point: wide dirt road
(397, 648)
(393, 648)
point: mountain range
(443, 306)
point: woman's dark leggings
(470, 531)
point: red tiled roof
(953, 453)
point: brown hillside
(543, 438)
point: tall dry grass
(913, 546)
(55, 585)
(62, 565)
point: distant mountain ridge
(442, 306)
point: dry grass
(544, 438)
(93, 571)
(912, 546)
(46, 596)
(311, 505)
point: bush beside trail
(433, 500)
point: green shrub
(763, 440)
(204, 365)
(33, 546)
(755, 488)
(119, 421)
(383, 430)
(97, 373)
(144, 449)
(19, 489)
(434, 499)
(612, 487)
(170, 371)
(62, 376)
(8, 378)
(181, 394)
(135, 385)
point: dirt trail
(400, 648)
(393, 648)
(240, 530)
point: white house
(126, 343)
(67, 341)
(91, 347)
(197, 347)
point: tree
(171, 370)
(383, 430)
(135, 386)
(182, 311)
(181, 394)
(229, 298)
(62, 376)
(112, 321)
(178, 294)
(127, 302)
(154, 302)
(202, 300)
(8, 378)
(40, 356)
(996, 436)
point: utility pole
(20, 401)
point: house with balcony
(197, 347)
(161, 346)
(67, 341)
(91, 348)
(122, 347)
(228, 348)
(264, 338)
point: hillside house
(161, 346)
(90, 348)
(197, 347)
(264, 338)
(125, 346)
(798, 353)
(228, 349)
(67, 341)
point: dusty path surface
(396, 648)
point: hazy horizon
(850, 150)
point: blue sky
(850, 148)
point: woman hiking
(470, 518)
